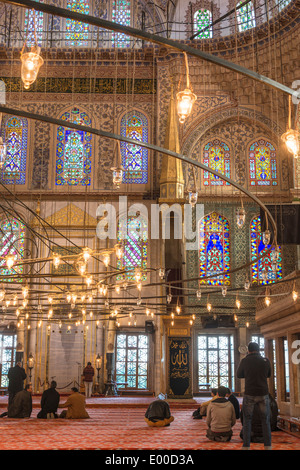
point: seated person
(75, 405)
(158, 414)
(49, 402)
(21, 405)
(256, 426)
(201, 411)
(236, 404)
(220, 417)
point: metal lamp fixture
(185, 98)
(118, 170)
(31, 61)
(291, 137)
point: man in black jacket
(49, 402)
(21, 406)
(255, 369)
(16, 376)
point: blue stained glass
(15, 135)
(77, 32)
(121, 15)
(33, 27)
(214, 250)
(73, 151)
(134, 125)
(263, 271)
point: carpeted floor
(119, 425)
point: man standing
(255, 369)
(88, 374)
(21, 406)
(16, 376)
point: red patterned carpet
(115, 426)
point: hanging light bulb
(247, 284)
(139, 286)
(10, 261)
(224, 291)
(291, 136)
(86, 254)
(266, 237)
(119, 250)
(247, 324)
(209, 306)
(193, 197)
(89, 280)
(117, 176)
(117, 288)
(267, 298)
(56, 260)
(169, 298)
(31, 63)
(147, 311)
(161, 273)
(106, 259)
(185, 102)
(295, 295)
(25, 291)
(178, 308)
(275, 253)
(291, 140)
(69, 297)
(81, 267)
(240, 217)
(238, 303)
(198, 294)
(137, 274)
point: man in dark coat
(49, 402)
(236, 404)
(158, 414)
(16, 376)
(21, 406)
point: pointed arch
(133, 234)
(202, 19)
(134, 125)
(262, 159)
(265, 270)
(216, 155)
(15, 135)
(245, 16)
(12, 235)
(214, 250)
(73, 151)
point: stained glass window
(216, 360)
(262, 164)
(265, 270)
(134, 125)
(202, 19)
(8, 345)
(214, 250)
(216, 155)
(132, 360)
(77, 33)
(73, 151)
(133, 234)
(245, 16)
(121, 15)
(34, 23)
(12, 235)
(15, 134)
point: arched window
(12, 235)
(133, 234)
(14, 134)
(77, 33)
(245, 16)
(265, 270)
(73, 151)
(214, 250)
(121, 15)
(203, 20)
(262, 163)
(134, 125)
(216, 155)
(33, 27)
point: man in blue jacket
(255, 369)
